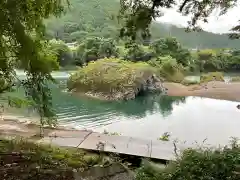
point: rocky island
(115, 79)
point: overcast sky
(216, 24)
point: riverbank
(11, 125)
(214, 90)
(92, 141)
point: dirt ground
(215, 90)
(11, 126)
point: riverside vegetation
(197, 164)
(21, 159)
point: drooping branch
(140, 13)
(183, 5)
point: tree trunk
(41, 128)
(41, 131)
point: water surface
(185, 118)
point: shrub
(187, 82)
(235, 79)
(168, 68)
(213, 76)
(110, 76)
(21, 159)
(111, 133)
(199, 164)
(164, 137)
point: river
(185, 118)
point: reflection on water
(90, 113)
(190, 118)
(194, 120)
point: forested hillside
(87, 18)
(194, 39)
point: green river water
(185, 118)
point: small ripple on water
(90, 125)
(66, 108)
(83, 118)
(88, 116)
(90, 120)
(62, 114)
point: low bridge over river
(156, 149)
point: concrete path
(93, 141)
(112, 143)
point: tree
(134, 51)
(21, 34)
(102, 22)
(62, 51)
(205, 59)
(96, 48)
(170, 46)
(137, 15)
(234, 60)
(168, 68)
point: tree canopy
(21, 44)
(138, 14)
(77, 24)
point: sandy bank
(215, 90)
(28, 128)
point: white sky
(216, 24)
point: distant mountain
(98, 18)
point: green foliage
(198, 164)
(235, 79)
(187, 82)
(22, 45)
(78, 24)
(62, 52)
(170, 46)
(21, 159)
(206, 54)
(213, 76)
(134, 51)
(216, 60)
(234, 60)
(164, 137)
(95, 48)
(110, 76)
(84, 19)
(168, 68)
(138, 15)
